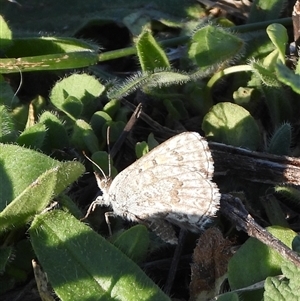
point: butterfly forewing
(172, 182)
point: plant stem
(115, 54)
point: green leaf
(75, 93)
(5, 254)
(288, 77)
(5, 35)
(112, 107)
(93, 269)
(7, 95)
(278, 35)
(27, 188)
(33, 137)
(262, 10)
(141, 148)
(151, 55)
(83, 136)
(286, 288)
(266, 74)
(281, 141)
(133, 242)
(231, 124)
(102, 159)
(148, 81)
(56, 135)
(47, 53)
(267, 261)
(211, 46)
(7, 126)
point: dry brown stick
(254, 166)
(130, 124)
(233, 209)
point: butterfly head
(103, 184)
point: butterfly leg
(107, 216)
(97, 202)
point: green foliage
(202, 81)
(286, 288)
(93, 269)
(267, 262)
(281, 140)
(231, 124)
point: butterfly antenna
(95, 164)
(20, 84)
(108, 149)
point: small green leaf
(83, 136)
(7, 126)
(101, 158)
(286, 288)
(262, 10)
(33, 137)
(231, 124)
(83, 90)
(133, 242)
(213, 45)
(141, 148)
(288, 77)
(151, 55)
(93, 269)
(265, 74)
(56, 135)
(99, 122)
(278, 35)
(5, 254)
(147, 81)
(281, 141)
(112, 107)
(5, 35)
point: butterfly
(172, 184)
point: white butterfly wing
(172, 182)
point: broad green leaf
(29, 180)
(48, 62)
(93, 269)
(267, 261)
(47, 53)
(231, 124)
(211, 46)
(151, 55)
